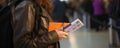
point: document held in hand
(73, 26)
(67, 27)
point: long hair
(47, 4)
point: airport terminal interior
(100, 30)
(83, 38)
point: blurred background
(100, 17)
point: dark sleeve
(47, 39)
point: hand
(61, 34)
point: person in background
(114, 13)
(59, 11)
(31, 19)
(5, 25)
(87, 7)
(3, 3)
(73, 10)
(99, 13)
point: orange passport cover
(56, 25)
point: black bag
(5, 28)
(6, 31)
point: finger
(64, 37)
(66, 34)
